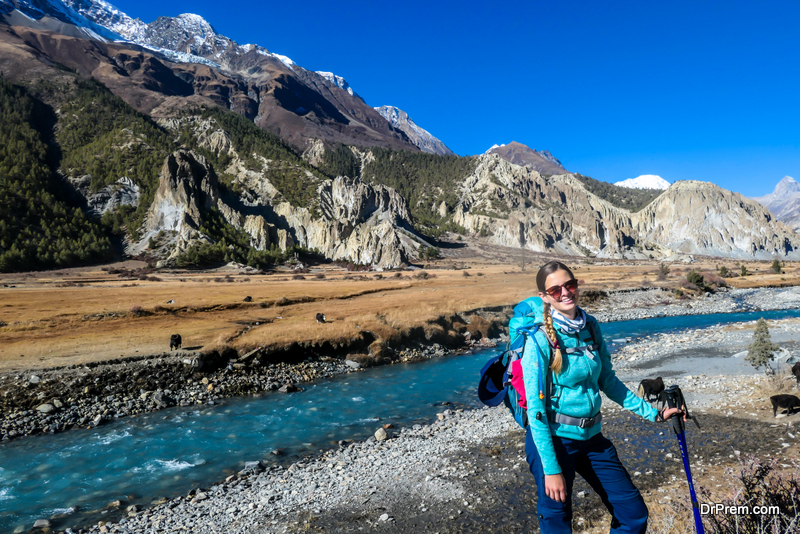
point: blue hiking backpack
(501, 377)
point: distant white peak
(787, 186)
(645, 181)
(338, 81)
(493, 147)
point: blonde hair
(557, 361)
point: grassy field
(80, 315)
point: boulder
(46, 408)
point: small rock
(248, 299)
(384, 517)
(351, 364)
(34, 379)
(387, 426)
(46, 408)
(41, 523)
(288, 388)
(381, 435)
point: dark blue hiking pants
(597, 462)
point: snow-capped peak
(422, 138)
(493, 147)
(645, 181)
(338, 81)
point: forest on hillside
(45, 223)
(632, 200)
(39, 227)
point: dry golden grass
(48, 324)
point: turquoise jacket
(576, 389)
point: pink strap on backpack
(518, 383)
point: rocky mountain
(645, 181)
(519, 207)
(186, 146)
(420, 137)
(357, 222)
(784, 202)
(175, 59)
(541, 161)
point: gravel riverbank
(467, 468)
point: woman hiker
(563, 437)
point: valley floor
(458, 474)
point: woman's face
(565, 301)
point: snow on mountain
(784, 202)
(37, 10)
(493, 147)
(422, 138)
(108, 16)
(645, 181)
(338, 81)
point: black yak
(649, 389)
(784, 402)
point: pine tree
(761, 350)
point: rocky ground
(467, 469)
(641, 304)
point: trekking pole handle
(674, 399)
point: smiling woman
(563, 434)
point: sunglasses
(555, 291)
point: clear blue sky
(685, 90)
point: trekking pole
(674, 399)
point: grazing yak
(785, 402)
(175, 341)
(320, 317)
(649, 389)
(796, 372)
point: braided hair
(546, 270)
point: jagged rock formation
(422, 138)
(356, 222)
(694, 217)
(784, 202)
(518, 207)
(541, 161)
